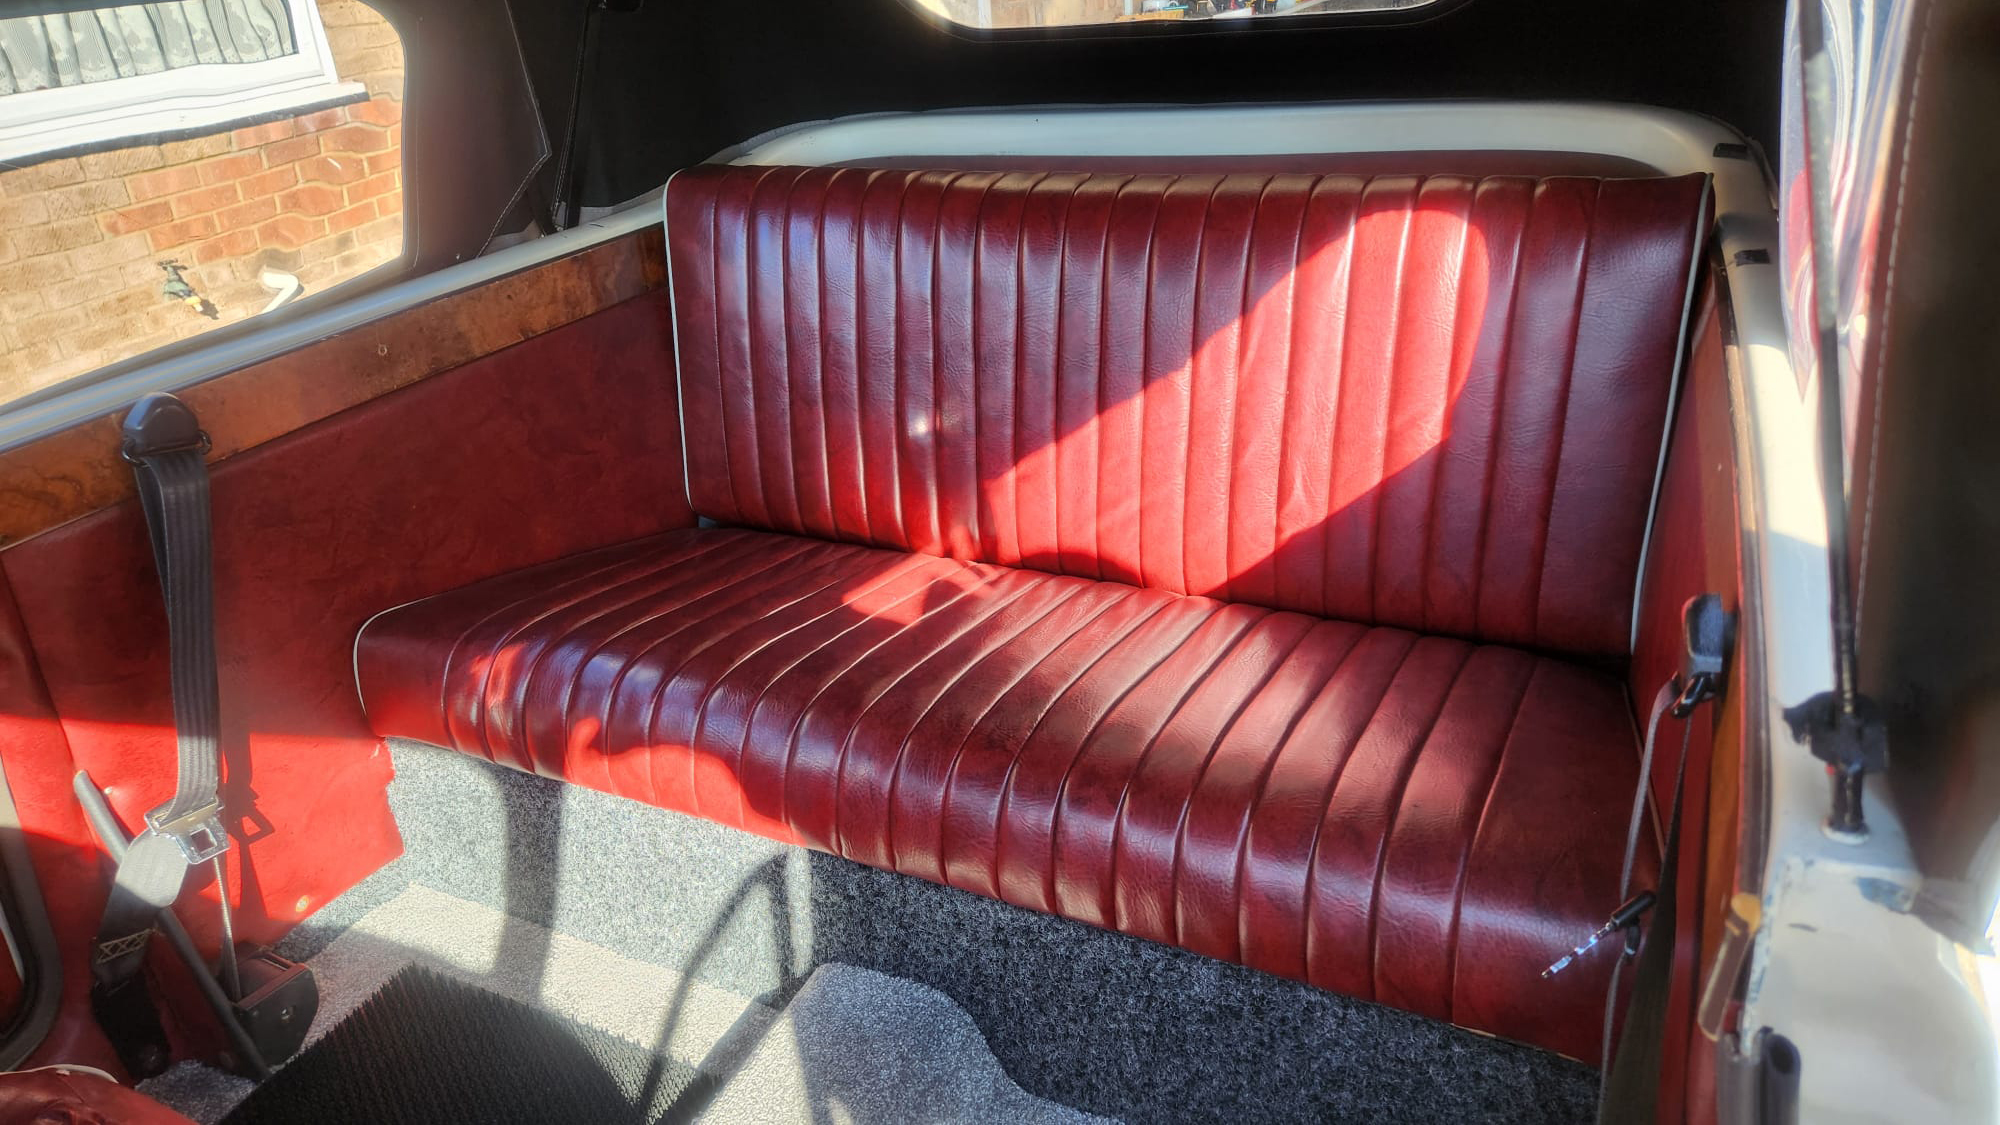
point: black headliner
(676, 81)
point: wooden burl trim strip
(53, 480)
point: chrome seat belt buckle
(198, 832)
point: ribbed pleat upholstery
(1410, 819)
(1138, 548)
(1430, 402)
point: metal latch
(1625, 918)
(198, 832)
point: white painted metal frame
(1893, 1021)
(174, 101)
(1669, 141)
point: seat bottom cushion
(1410, 819)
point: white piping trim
(69, 1069)
(354, 650)
(1681, 351)
(674, 323)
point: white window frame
(184, 99)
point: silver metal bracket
(199, 832)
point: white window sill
(183, 114)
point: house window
(95, 77)
(173, 168)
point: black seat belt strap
(167, 449)
(1627, 1081)
(1631, 1078)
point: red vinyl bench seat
(1239, 562)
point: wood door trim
(66, 475)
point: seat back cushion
(1433, 402)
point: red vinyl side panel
(1693, 551)
(39, 767)
(561, 444)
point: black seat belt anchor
(198, 832)
(161, 424)
(1707, 634)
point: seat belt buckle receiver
(198, 832)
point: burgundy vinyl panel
(1428, 402)
(561, 444)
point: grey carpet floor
(852, 1044)
(1079, 1016)
(861, 1046)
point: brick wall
(318, 196)
(1030, 13)
(365, 47)
(1055, 13)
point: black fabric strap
(1631, 1082)
(173, 488)
(167, 451)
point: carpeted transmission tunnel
(429, 1049)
